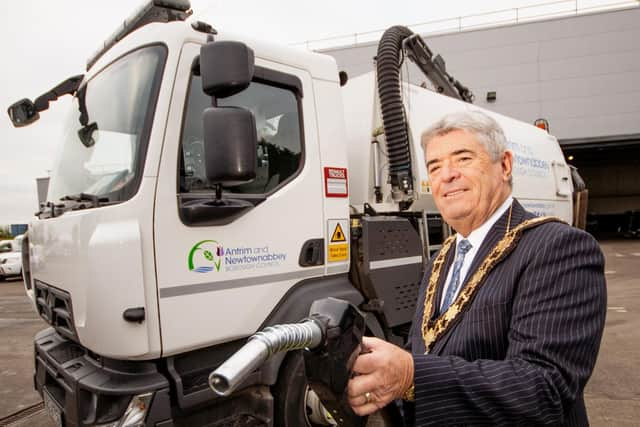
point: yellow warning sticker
(338, 252)
(338, 235)
(337, 240)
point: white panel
(332, 152)
(616, 62)
(589, 45)
(358, 100)
(600, 86)
(597, 125)
(114, 254)
(493, 57)
(584, 25)
(509, 75)
(483, 39)
(593, 106)
(518, 34)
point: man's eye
(433, 169)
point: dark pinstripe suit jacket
(526, 345)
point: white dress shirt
(476, 237)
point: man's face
(467, 185)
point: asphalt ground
(612, 395)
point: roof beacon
(542, 124)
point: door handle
(312, 253)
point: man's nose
(449, 172)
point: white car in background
(10, 258)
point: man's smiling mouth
(454, 193)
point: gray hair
(486, 130)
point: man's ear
(507, 165)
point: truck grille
(54, 306)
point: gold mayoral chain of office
(432, 330)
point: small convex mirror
(226, 67)
(23, 113)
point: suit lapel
(497, 231)
(494, 235)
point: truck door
(219, 281)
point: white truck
(11, 258)
(209, 186)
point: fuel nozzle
(330, 337)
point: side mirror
(230, 145)
(230, 156)
(226, 68)
(23, 113)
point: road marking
(619, 255)
(635, 253)
(618, 309)
(610, 272)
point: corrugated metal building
(581, 73)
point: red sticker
(335, 182)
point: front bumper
(89, 389)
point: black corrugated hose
(389, 62)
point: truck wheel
(292, 394)
(296, 405)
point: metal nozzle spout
(259, 348)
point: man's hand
(383, 373)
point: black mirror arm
(82, 106)
(67, 87)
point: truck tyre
(290, 393)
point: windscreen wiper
(85, 133)
(80, 198)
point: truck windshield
(107, 131)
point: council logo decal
(205, 256)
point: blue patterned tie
(454, 284)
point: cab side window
(278, 126)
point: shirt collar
(476, 237)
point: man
(510, 312)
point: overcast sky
(43, 42)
